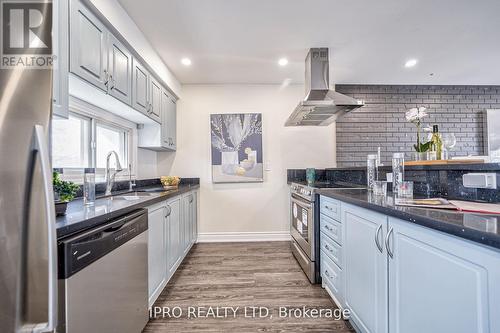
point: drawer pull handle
(327, 274)
(328, 228)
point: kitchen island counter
(480, 228)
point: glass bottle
(89, 186)
(371, 171)
(398, 171)
(437, 143)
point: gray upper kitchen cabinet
(365, 268)
(160, 137)
(170, 110)
(169, 115)
(120, 70)
(439, 283)
(60, 37)
(140, 88)
(157, 256)
(174, 235)
(88, 46)
(156, 95)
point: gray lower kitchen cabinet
(60, 34)
(120, 70)
(189, 221)
(396, 276)
(171, 234)
(440, 283)
(155, 98)
(140, 88)
(157, 256)
(194, 218)
(365, 268)
(88, 46)
(174, 236)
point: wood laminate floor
(242, 275)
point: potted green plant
(64, 192)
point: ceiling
(240, 41)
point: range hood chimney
(321, 106)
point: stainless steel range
(304, 225)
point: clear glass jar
(89, 186)
(398, 171)
(310, 176)
(371, 171)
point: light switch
(480, 180)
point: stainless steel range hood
(321, 106)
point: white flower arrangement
(415, 115)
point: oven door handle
(302, 203)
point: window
(84, 140)
(110, 138)
(71, 142)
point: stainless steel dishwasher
(103, 277)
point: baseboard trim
(213, 237)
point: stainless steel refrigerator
(28, 258)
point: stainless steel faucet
(110, 178)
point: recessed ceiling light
(410, 63)
(186, 61)
(283, 62)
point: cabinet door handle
(327, 274)
(169, 211)
(106, 78)
(377, 233)
(387, 245)
(112, 82)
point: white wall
(257, 207)
(119, 18)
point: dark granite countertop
(480, 228)
(455, 166)
(80, 217)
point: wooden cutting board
(476, 207)
(438, 162)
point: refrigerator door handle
(41, 147)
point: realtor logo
(26, 33)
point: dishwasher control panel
(77, 252)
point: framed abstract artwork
(236, 147)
